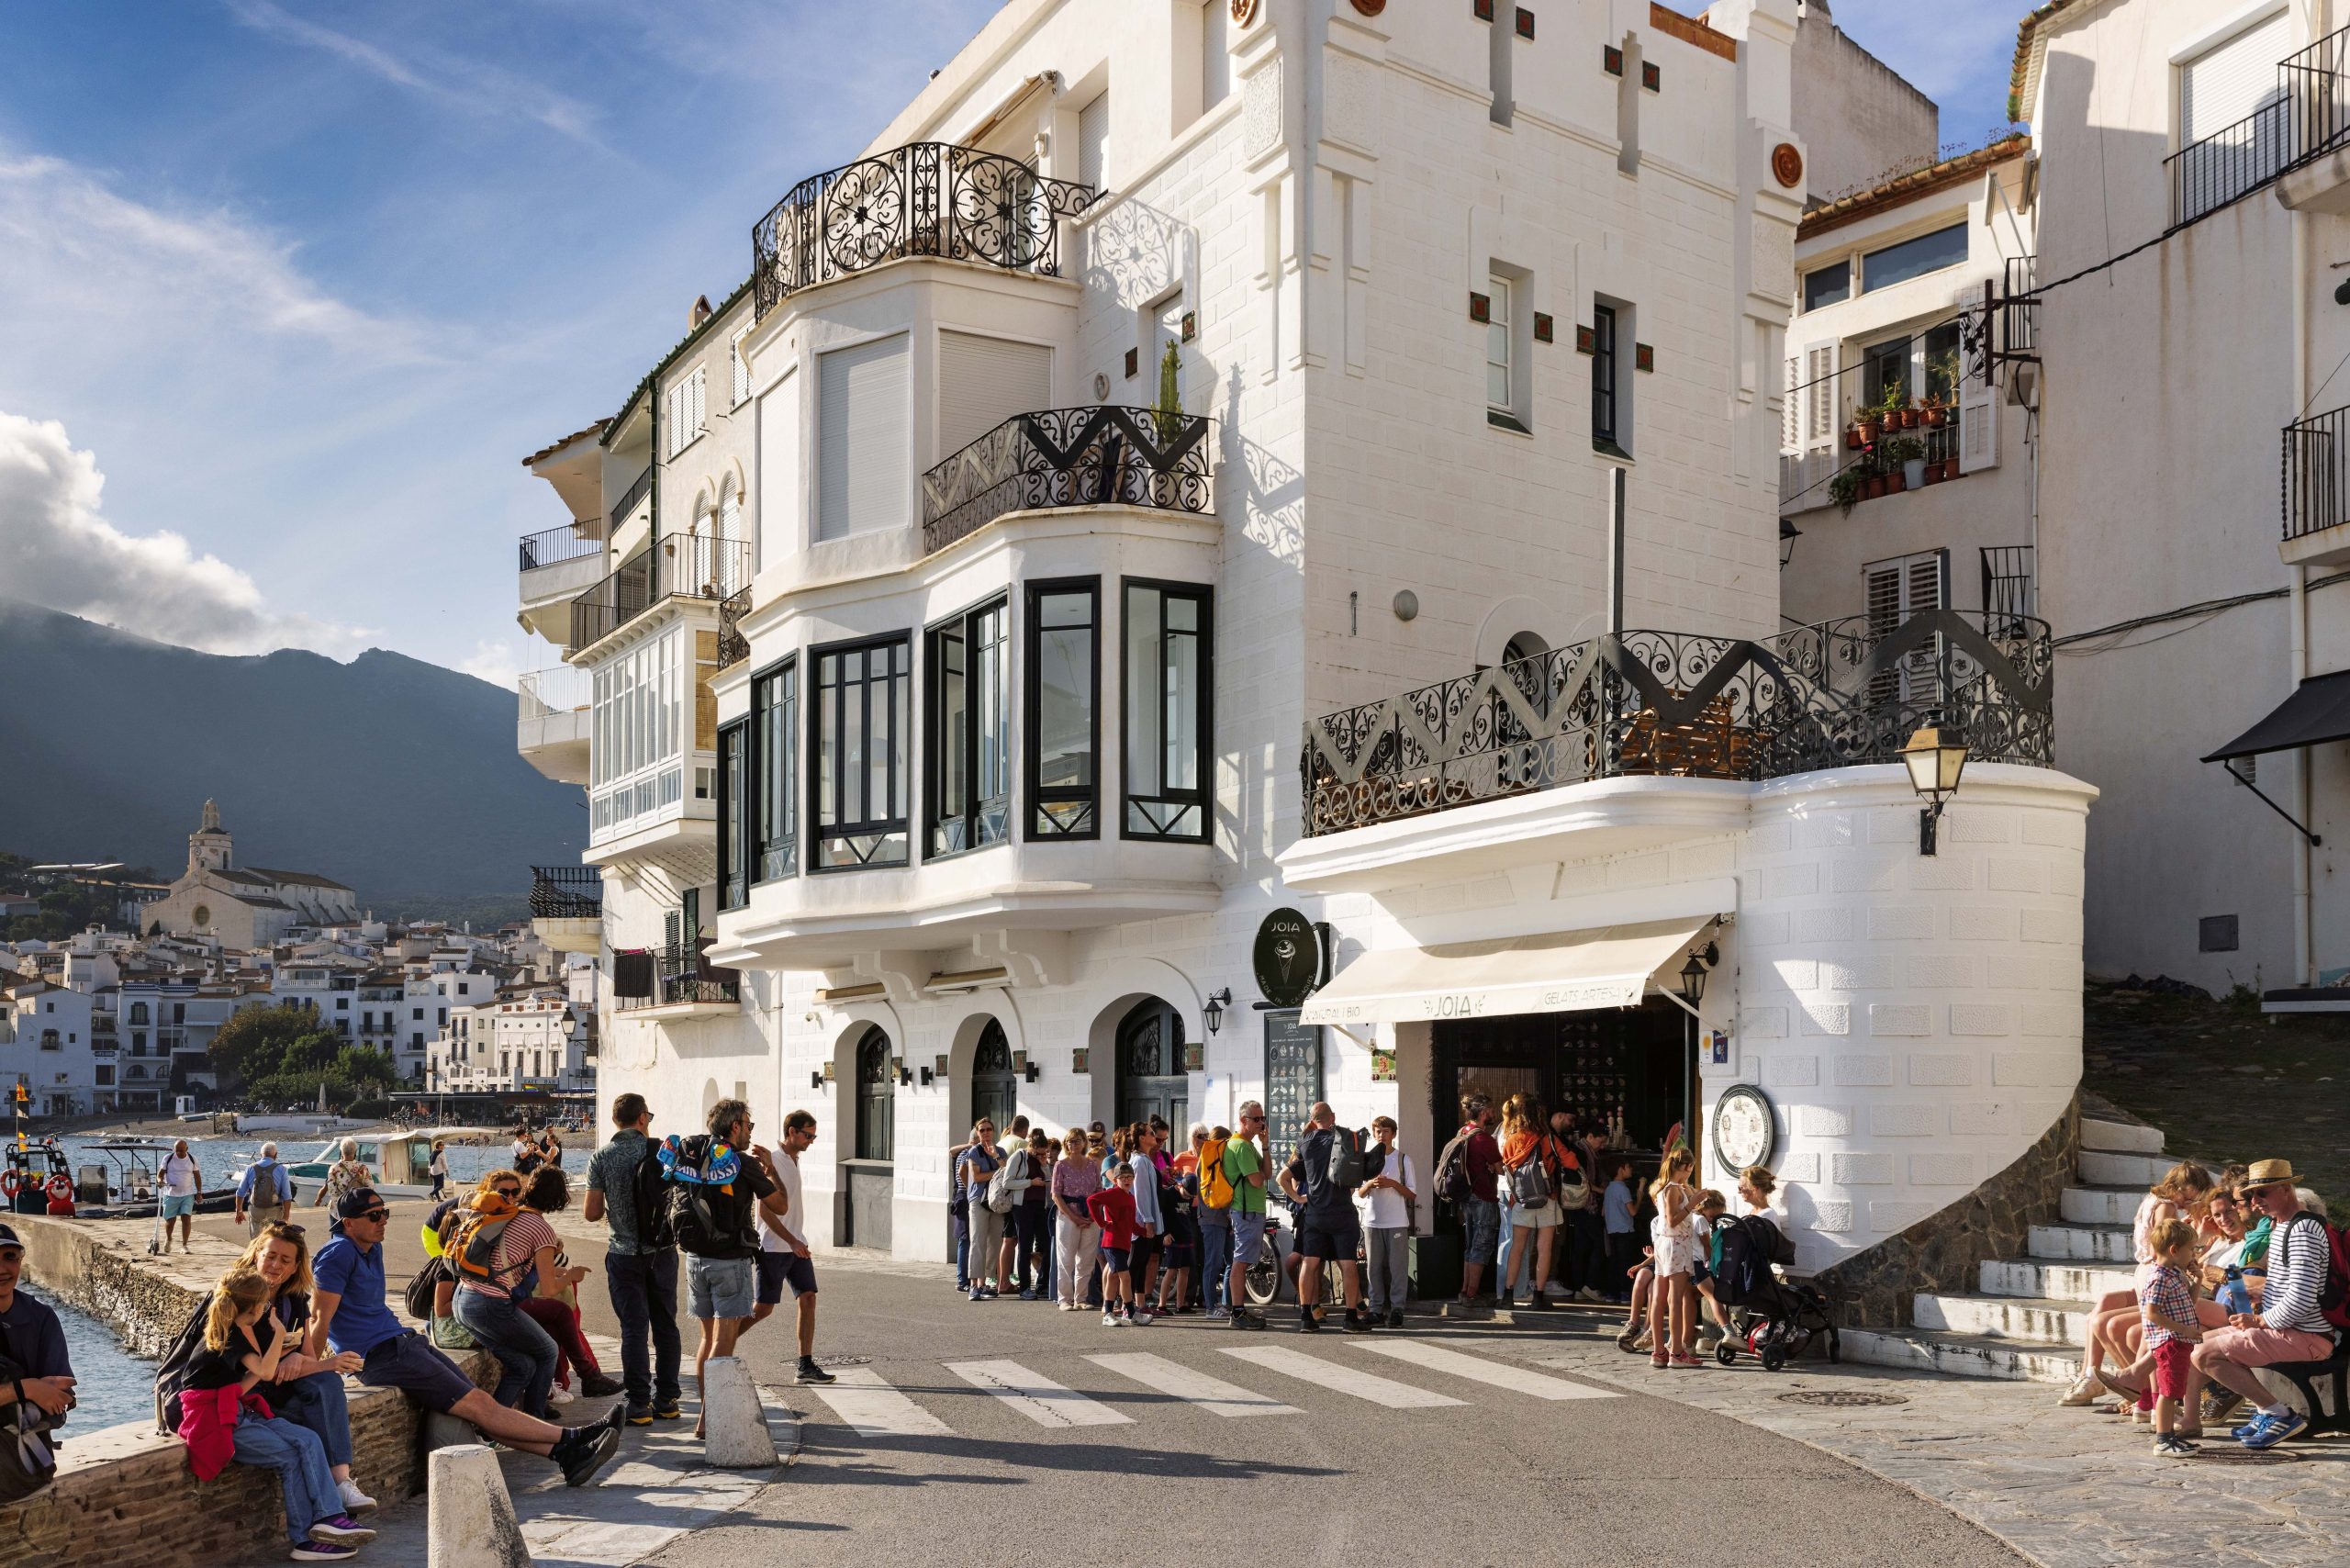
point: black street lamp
(1936, 757)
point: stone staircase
(2024, 1321)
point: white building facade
(1045, 695)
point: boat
(125, 1187)
(399, 1164)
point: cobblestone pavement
(2071, 1488)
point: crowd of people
(2234, 1271)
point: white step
(2121, 1138)
(2097, 1168)
(2100, 1206)
(2086, 1243)
(1960, 1355)
(2034, 1322)
(2058, 1279)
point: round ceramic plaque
(1786, 165)
(1742, 1132)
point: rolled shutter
(1093, 140)
(984, 381)
(863, 464)
(2230, 80)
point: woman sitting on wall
(558, 1310)
(2181, 1195)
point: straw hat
(2268, 1173)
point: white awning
(1565, 971)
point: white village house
(961, 713)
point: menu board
(1293, 1079)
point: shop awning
(1562, 972)
(2319, 712)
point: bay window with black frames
(967, 729)
(1062, 690)
(734, 794)
(1604, 424)
(861, 730)
(774, 775)
(1168, 668)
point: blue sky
(301, 280)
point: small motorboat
(127, 1186)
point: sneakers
(343, 1531)
(1629, 1340)
(809, 1372)
(316, 1550)
(1244, 1320)
(2219, 1402)
(1355, 1323)
(1027, 1295)
(640, 1414)
(595, 1385)
(2084, 1390)
(584, 1451)
(1111, 1320)
(666, 1410)
(1587, 1293)
(1218, 1313)
(559, 1395)
(977, 1295)
(2269, 1430)
(1395, 1317)
(2170, 1445)
(1306, 1322)
(1145, 1319)
(355, 1501)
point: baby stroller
(1777, 1321)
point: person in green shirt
(1244, 1167)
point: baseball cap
(357, 1202)
(8, 1238)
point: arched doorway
(995, 1087)
(1151, 1081)
(872, 1175)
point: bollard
(735, 1422)
(469, 1519)
(438, 1429)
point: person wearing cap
(36, 1338)
(2290, 1325)
(348, 1313)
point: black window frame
(1202, 796)
(1604, 362)
(735, 795)
(1823, 298)
(1901, 251)
(901, 827)
(775, 856)
(973, 821)
(1040, 826)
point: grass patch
(2223, 1082)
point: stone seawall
(124, 1494)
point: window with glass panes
(1603, 374)
(1168, 673)
(1063, 686)
(1501, 405)
(862, 697)
(733, 815)
(969, 731)
(775, 772)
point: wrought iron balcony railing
(1071, 457)
(675, 975)
(639, 487)
(1835, 695)
(2308, 114)
(676, 566)
(559, 545)
(566, 892)
(2317, 472)
(733, 647)
(929, 199)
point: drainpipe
(2304, 933)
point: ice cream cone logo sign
(1288, 957)
(1244, 12)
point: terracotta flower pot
(1852, 437)
(1934, 419)
(1867, 429)
(1908, 418)
(1893, 484)
(1872, 486)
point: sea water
(221, 1158)
(112, 1384)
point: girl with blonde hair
(1673, 1312)
(2182, 1194)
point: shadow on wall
(1268, 497)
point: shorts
(406, 1363)
(2263, 1346)
(719, 1287)
(1543, 1216)
(2172, 1359)
(1117, 1259)
(1482, 1218)
(779, 1269)
(1145, 1248)
(1331, 1238)
(179, 1206)
(1699, 1273)
(1248, 1236)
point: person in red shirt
(1113, 1209)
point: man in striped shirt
(2289, 1327)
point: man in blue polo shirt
(348, 1313)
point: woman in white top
(1673, 1240)
(2181, 1195)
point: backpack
(2333, 1287)
(1010, 1181)
(421, 1288)
(650, 1188)
(1529, 1184)
(1343, 1170)
(473, 1252)
(1741, 1258)
(709, 1206)
(171, 1373)
(1215, 1185)
(1452, 1182)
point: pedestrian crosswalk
(1149, 1385)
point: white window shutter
(1791, 408)
(984, 381)
(1093, 140)
(741, 371)
(864, 465)
(1821, 396)
(700, 385)
(1978, 422)
(2230, 82)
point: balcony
(675, 982)
(550, 728)
(929, 199)
(733, 646)
(557, 568)
(1554, 753)
(676, 566)
(2317, 490)
(1877, 459)
(1071, 457)
(567, 908)
(2299, 133)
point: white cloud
(56, 550)
(495, 660)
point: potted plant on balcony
(1844, 486)
(1906, 457)
(1931, 414)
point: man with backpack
(2303, 1309)
(1330, 1164)
(265, 1191)
(625, 1191)
(1214, 1213)
(718, 1182)
(1465, 1178)
(1244, 1170)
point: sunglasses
(379, 1216)
(287, 1232)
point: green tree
(256, 1042)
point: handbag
(422, 1287)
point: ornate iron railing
(733, 647)
(2007, 587)
(639, 487)
(2317, 472)
(2308, 114)
(1071, 457)
(1835, 695)
(929, 199)
(566, 892)
(676, 566)
(559, 545)
(679, 975)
